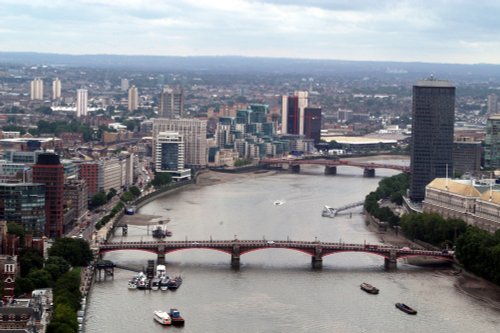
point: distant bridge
(331, 165)
(236, 248)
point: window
(9, 268)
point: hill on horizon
(240, 64)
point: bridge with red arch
(331, 165)
(317, 250)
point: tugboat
(174, 283)
(405, 308)
(369, 288)
(176, 318)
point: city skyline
(461, 32)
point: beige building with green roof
(456, 200)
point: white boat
(160, 270)
(162, 317)
(278, 202)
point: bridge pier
(317, 258)
(235, 257)
(391, 262)
(160, 259)
(294, 168)
(316, 262)
(330, 170)
(369, 172)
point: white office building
(169, 155)
(194, 133)
(37, 89)
(133, 98)
(81, 102)
(56, 89)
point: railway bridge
(235, 248)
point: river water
(275, 290)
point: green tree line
(432, 228)
(60, 272)
(392, 188)
(479, 252)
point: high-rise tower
(292, 112)
(133, 98)
(37, 89)
(81, 102)
(492, 142)
(56, 89)
(492, 104)
(433, 114)
(124, 84)
(49, 171)
(171, 103)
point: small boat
(278, 202)
(405, 308)
(176, 318)
(155, 283)
(132, 284)
(162, 317)
(160, 270)
(369, 288)
(174, 283)
(164, 283)
(142, 284)
(158, 232)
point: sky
(443, 31)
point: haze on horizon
(438, 31)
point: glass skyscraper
(433, 114)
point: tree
(23, 286)
(161, 178)
(76, 251)
(98, 199)
(29, 259)
(111, 193)
(136, 192)
(40, 278)
(56, 266)
(64, 318)
(127, 196)
(16, 229)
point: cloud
(440, 30)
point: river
(275, 290)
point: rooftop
(431, 82)
(449, 185)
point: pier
(331, 212)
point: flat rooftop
(357, 140)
